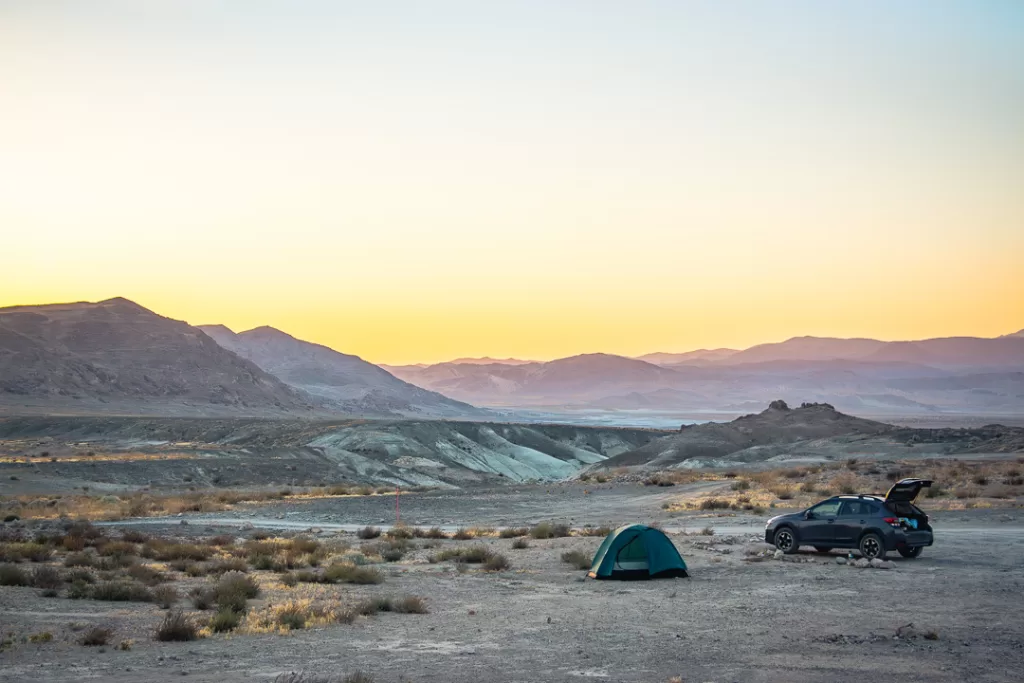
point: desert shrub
(80, 559)
(714, 504)
(520, 544)
(934, 491)
(966, 492)
(133, 536)
(234, 589)
(232, 564)
(343, 572)
(166, 552)
(550, 530)
(409, 604)
(792, 474)
(117, 548)
(293, 616)
(79, 590)
(177, 627)
(46, 577)
(1014, 481)
(740, 485)
(95, 636)
(496, 563)
(851, 464)
(290, 579)
(1001, 492)
(595, 531)
(225, 620)
(402, 532)
(302, 544)
(147, 575)
(513, 532)
(165, 596)
(121, 591)
(393, 554)
(221, 540)
(43, 637)
(707, 531)
(980, 480)
(462, 535)
(368, 532)
(845, 483)
(433, 532)
(783, 493)
(34, 552)
(202, 597)
(11, 575)
(577, 559)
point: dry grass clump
(178, 627)
(496, 563)
(462, 535)
(434, 533)
(368, 532)
(296, 614)
(520, 544)
(595, 531)
(233, 589)
(120, 590)
(95, 636)
(165, 596)
(345, 572)
(46, 577)
(577, 559)
(11, 575)
(166, 551)
(550, 530)
(513, 532)
(225, 620)
(32, 552)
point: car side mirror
(808, 514)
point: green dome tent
(636, 551)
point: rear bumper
(909, 539)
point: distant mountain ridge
(866, 376)
(116, 355)
(350, 383)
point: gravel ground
(733, 620)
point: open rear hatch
(900, 500)
(906, 490)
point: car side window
(854, 508)
(830, 508)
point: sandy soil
(734, 620)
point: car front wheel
(911, 553)
(785, 540)
(872, 546)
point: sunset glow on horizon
(417, 182)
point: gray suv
(871, 524)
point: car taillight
(892, 521)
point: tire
(785, 540)
(911, 553)
(823, 548)
(872, 547)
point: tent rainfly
(636, 551)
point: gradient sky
(414, 181)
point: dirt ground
(733, 620)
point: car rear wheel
(823, 548)
(911, 553)
(785, 540)
(872, 546)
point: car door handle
(831, 521)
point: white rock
(779, 554)
(840, 560)
(876, 563)
(862, 563)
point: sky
(415, 182)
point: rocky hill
(813, 431)
(348, 382)
(116, 356)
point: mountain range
(117, 357)
(959, 375)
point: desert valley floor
(742, 616)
